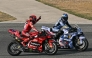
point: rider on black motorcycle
(62, 22)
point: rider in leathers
(29, 24)
(62, 22)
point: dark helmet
(33, 17)
(65, 16)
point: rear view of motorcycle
(42, 42)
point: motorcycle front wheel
(12, 49)
(51, 50)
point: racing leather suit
(61, 22)
(27, 27)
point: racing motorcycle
(42, 42)
(75, 36)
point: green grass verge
(6, 17)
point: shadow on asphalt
(60, 52)
(65, 52)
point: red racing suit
(28, 26)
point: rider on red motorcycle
(29, 24)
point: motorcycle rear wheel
(12, 49)
(82, 47)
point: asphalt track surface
(5, 39)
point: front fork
(81, 37)
(50, 42)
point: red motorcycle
(42, 42)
